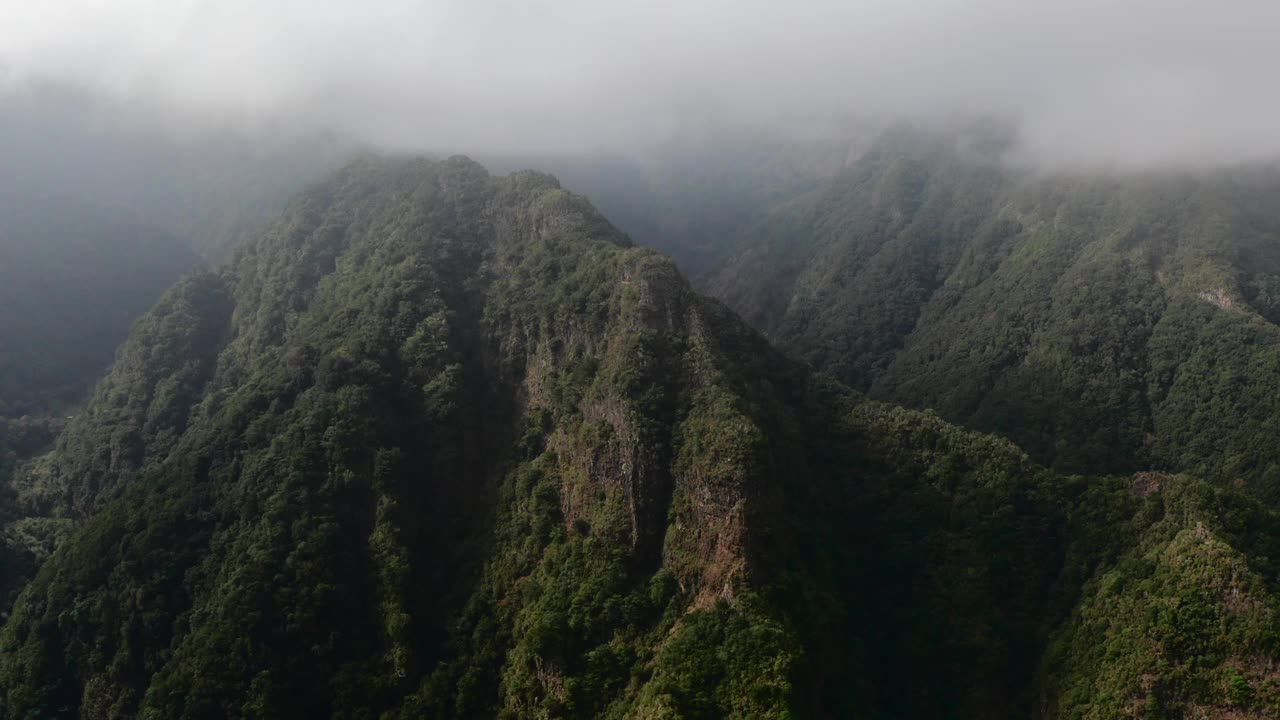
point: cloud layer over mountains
(1135, 82)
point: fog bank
(1136, 82)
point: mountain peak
(444, 444)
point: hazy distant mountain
(100, 212)
(1106, 322)
(698, 196)
(73, 278)
(207, 185)
(101, 209)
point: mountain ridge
(1106, 322)
(454, 445)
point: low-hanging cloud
(1107, 81)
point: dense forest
(445, 444)
(1105, 322)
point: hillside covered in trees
(445, 444)
(101, 210)
(1105, 322)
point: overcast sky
(1141, 80)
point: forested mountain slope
(441, 444)
(100, 212)
(1106, 322)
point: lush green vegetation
(1105, 323)
(1184, 624)
(417, 445)
(440, 444)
